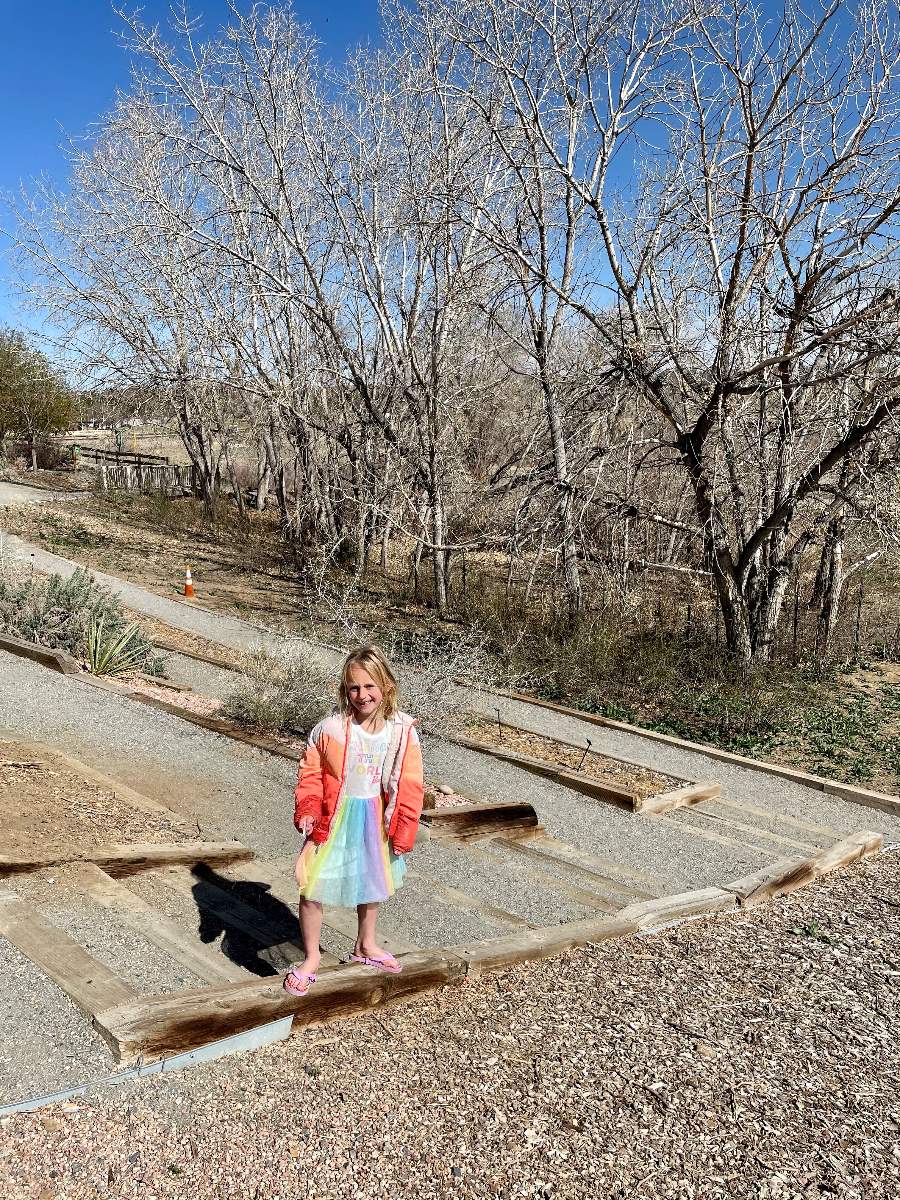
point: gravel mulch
(204, 706)
(641, 780)
(737, 1058)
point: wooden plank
(128, 860)
(619, 890)
(493, 954)
(157, 1026)
(607, 792)
(137, 914)
(554, 883)
(89, 983)
(464, 820)
(683, 797)
(56, 660)
(469, 903)
(779, 879)
(743, 827)
(603, 866)
(235, 913)
(496, 953)
(868, 799)
(667, 910)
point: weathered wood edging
(479, 820)
(153, 1027)
(129, 859)
(610, 793)
(844, 791)
(261, 741)
(787, 875)
(56, 660)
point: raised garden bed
(612, 780)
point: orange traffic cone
(188, 583)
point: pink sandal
(306, 979)
(388, 964)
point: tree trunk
(829, 585)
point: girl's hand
(306, 825)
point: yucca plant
(116, 652)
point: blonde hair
(373, 660)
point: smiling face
(363, 692)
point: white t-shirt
(365, 761)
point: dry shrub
(428, 662)
(287, 689)
(427, 657)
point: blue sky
(60, 65)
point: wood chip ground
(737, 1058)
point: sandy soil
(48, 807)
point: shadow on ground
(260, 954)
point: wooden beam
(787, 875)
(56, 660)
(137, 914)
(667, 910)
(89, 983)
(622, 892)
(869, 799)
(262, 741)
(156, 1026)
(610, 793)
(128, 860)
(479, 820)
(683, 797)
(493, 954)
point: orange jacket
(320, 780)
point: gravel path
(734, 1058)
(219, 627)
(20, 493)
(472, 772)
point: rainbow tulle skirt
(356, 865)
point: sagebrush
(60, 613)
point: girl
(358, 801)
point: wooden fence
(120, 471)
(147, 477)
